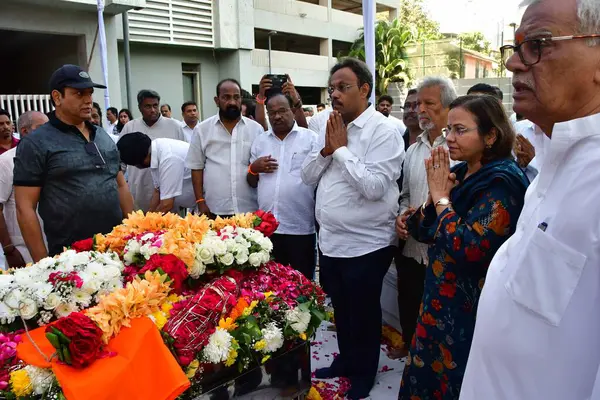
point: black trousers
(297, 251)
(411, 283)
(354, 285)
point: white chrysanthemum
(95, 270)
(111, 272)
(81, 297)
(6, 282)
(71, 259)
(41, 379)
(90, 284)
(23, 276)
(298, 319)
(65, 309)
(114, 284)
(7, 314)
(46, 263)
(273, 337)
(218, 347)
(41, 290)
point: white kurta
(538, 325)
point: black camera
(277, 81)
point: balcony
(304, 18)
(180, 22)
(305, 69)
(111, 7)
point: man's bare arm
(125, 197)
(27, 198)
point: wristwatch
(444, 201)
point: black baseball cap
(72, 76)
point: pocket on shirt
(548, 274)
(296, 163)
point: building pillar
(393, 14)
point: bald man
(11, 239)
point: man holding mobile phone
(268, 86)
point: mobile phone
(277, 81)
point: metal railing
(17, 104)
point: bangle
(199, 201)
(250, 170)
(260, 99)
(297, 105)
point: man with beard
(277, 158)
(153, 124)
(7, 140)
(356, 162)
(434, 96)
(537, 329)
(384, 106)
(219, 156)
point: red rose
(171, 265)
(265, 222)
(83, 245)
(85, 337)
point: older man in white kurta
(538, 325)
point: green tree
(391, 39)
(412, 14)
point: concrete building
(180, 48)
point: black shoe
(336, 370)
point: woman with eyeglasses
(472, 210)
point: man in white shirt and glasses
(356, 164)
(434, 96)
(277, 157)
(219, 156)
(538, 325)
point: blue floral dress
(463, 241)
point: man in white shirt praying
(155, 126)
(189, 111)
(538, 325)
(219, 156)
(434, 96)
(277, 157)
(173, 190)
(356, 164)
(17, 254)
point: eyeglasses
(457, 130)
(530, 51)
(339, 88)
(281, 111)
(92, 150)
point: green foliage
(475, 41)
(391, 39)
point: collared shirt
(187, 131)
(79, 195)
(399, 123)
(357, 194)
(318, 123)
(13, 144)
(532, 133)
(7, 199)
(225, 158)
(283, 192)
(538, 326)
(169, 174)
(415, 188)
(140, 180)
